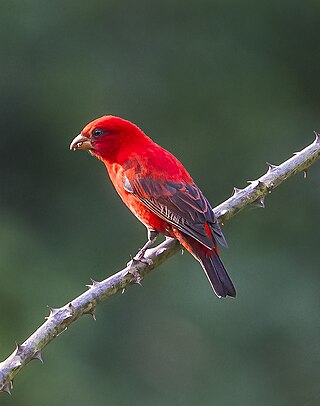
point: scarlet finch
(159, 191)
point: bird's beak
(80, 142)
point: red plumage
(159, 191)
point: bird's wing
(181, 204)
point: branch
(59, 319)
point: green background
(225, 86)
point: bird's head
(108, 136)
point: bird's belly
(147, 217)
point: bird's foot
(134, 263)
(147, 261)
(138, 259)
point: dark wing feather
(180, 204)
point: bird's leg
(152, 236)
(139, 257)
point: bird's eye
(98, 132)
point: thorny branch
(59, 319)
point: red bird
(159, 191)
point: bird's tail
(216, 273)
(211, 264)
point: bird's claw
(147, 261)
(135, 261)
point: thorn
(93, 284)
(123, 290)
(305, 174)
(92, 313)
(182, 251)
(7, 388)
(37, 355)
(317, 139)
(261, 185)
(19, 349)
(236, 191)
(271, 167)
(53, 311)
(65, 329)
(259, 202)
(71, 310)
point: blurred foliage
(224, 85)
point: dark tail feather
(217, 274)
